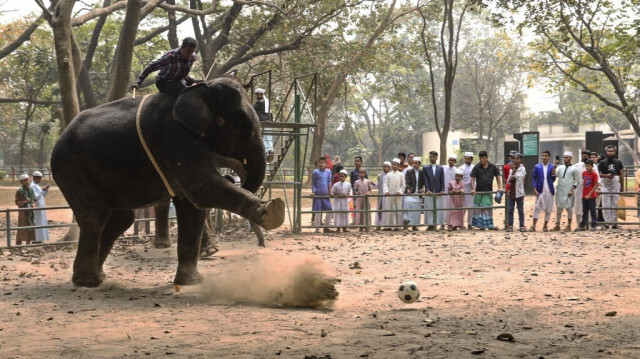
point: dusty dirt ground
(559, 295)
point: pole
(297, 165)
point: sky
(538, 100)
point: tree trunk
(84, 80)
(25, 128)
(172, 34)
(338, 80)
(122, 69)
(61, 26)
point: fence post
(8, 217)
(506, 210)
(435, 210)
(367, 219)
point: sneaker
(556, 228)
(545, 229)
(523, 229)
(567, 229)
(604, 226)
(494, 228)
(508, 229)
(615, 226)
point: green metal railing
(368, 211)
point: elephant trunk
(255, 165)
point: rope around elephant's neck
(146, 149)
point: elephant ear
(192, 111)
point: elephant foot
(87, 279)
(161, 243)
(188, 277)
(272, 214)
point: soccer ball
(408, 291)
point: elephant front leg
(223, 195)
(190, 227)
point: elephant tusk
(228, 162)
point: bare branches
(28, 100)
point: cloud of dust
(274, 281)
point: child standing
(589, 187)
(362, 187)
(341, 192)
(320, 185)
(516, 191)
(456, 200)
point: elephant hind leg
(117, 223)
(86, 271)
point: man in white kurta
(567, 176)
(381, 217)
(40, 217)
(449, 175)
(467, 167)
(394, 186)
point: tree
(446, 46)
(593, 44)
(349, 63)
(488, 95)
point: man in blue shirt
(174, 67)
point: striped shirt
(172, 66)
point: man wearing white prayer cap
(449, 175)
(381, 217)
(466, 168)
(394, 186)
(261, 106)
(25, 198)
(568, 179)
(40, 217)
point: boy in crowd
(320, 186)
(516, 177)
(589, 186)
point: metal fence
(505, 206)
(626, 209)
(368, 211)
(9, 228)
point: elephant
(104, 172)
